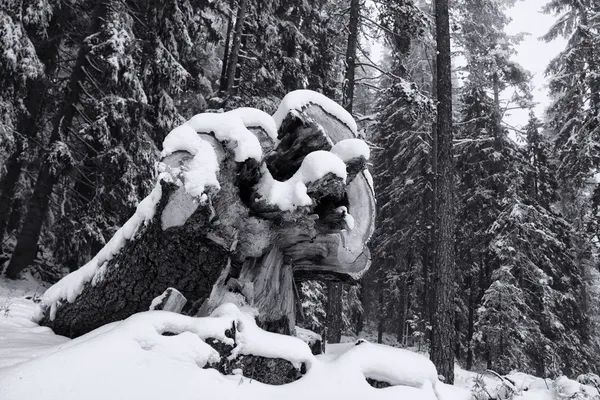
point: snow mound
(299, 99)
(253, 117)
(348, 149)
(307, 336)
(202, 170)
(158, 355)
(290, 194)
(251, 340)
(230, 127)
(392, 365)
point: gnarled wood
(231, 244)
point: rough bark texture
(235, 247)
(235, 49)
(443, 336)
(141, 272)
(8, 187)
(351, 54)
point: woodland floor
(23, 343)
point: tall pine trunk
(223, 81)
(431, 204)
(334, 312)
(381, 311)
(351, 55)
(8, 188)
(443, 335)
(334, 308)
(26, 127)
(235, 49)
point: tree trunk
(497, 118)
(26, 127)
(235, 49)
(223, 81)
(360, 321)
(403, 310)
(351, 55)
(37, 207)
(26, 248)
(334, 312)
(233, 246)
(443, 335)
(8, 188)
(431, 203)
(381, 312)
(471, 322)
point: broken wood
(171, 300)
(238, 240)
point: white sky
(533, 54)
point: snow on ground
(21, 339)
(132, 360)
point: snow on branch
(299, 99)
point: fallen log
(244, 203)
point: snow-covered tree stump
(244, 203)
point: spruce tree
(22, 79)
(402, 177)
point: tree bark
(223, 81)
(26, 126)
(430, 200)
(8, 188)
(470, 322)
(443, 335)
(380, 311)
(351, 55)
(235, 49)
(360, 322)
(334, 312)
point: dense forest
(90, 89)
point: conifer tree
(402, 181)
(55, 161)
(22, 78)
(574, 83)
